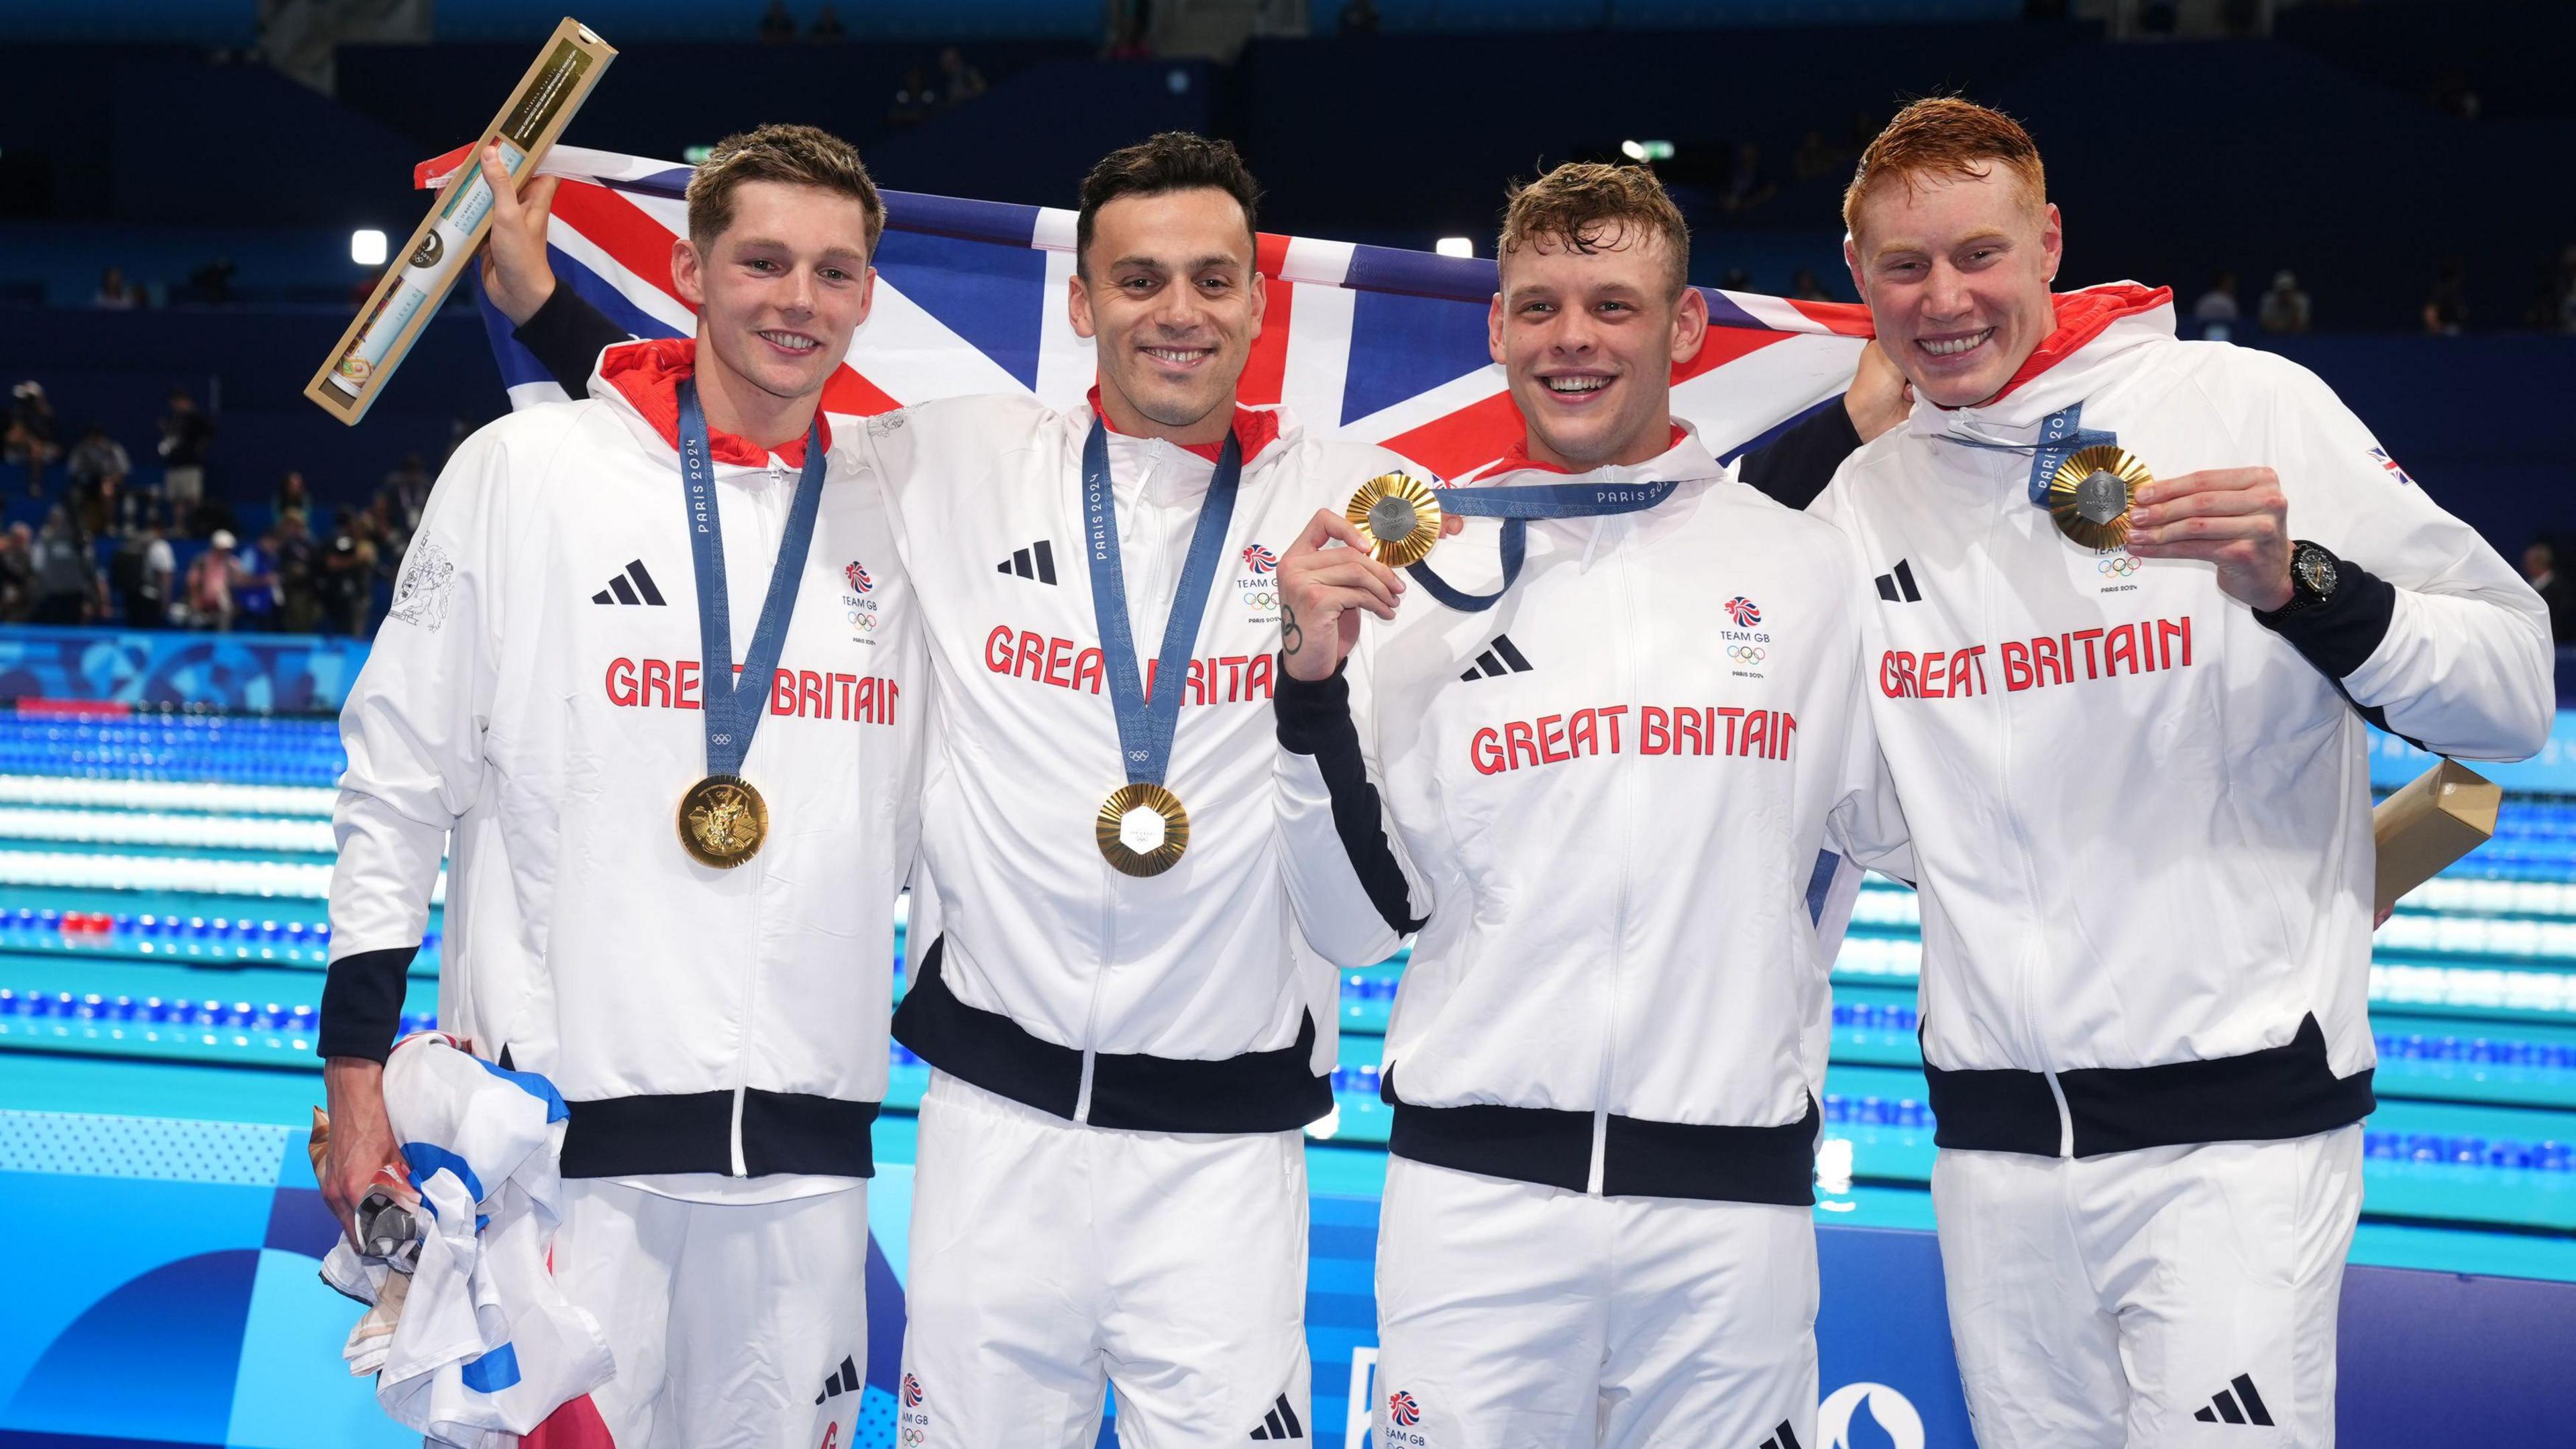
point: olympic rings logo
(862, 621)
(2120, 567)
(1260, 599)
(1746, 653)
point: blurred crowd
(97, 540)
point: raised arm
(1793, 468)
(1355, 895)
(556, 323)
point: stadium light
(1646, 150)
(1455, 246)
(367, 247)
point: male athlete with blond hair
(2134, 600)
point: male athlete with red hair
(2128, 734)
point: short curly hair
(1945, 135)
(796, 155)
(1589, 206)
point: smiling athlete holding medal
(1607, 1049)
(2135, 600)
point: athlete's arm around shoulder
(2427, 629)
(1862, 471)
(946, 454)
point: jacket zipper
(2022, 972)
(1109, 885)
(751, 982)
(1599, 1173)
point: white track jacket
(536, 691)
(1173, 1003)
(1602, 802)
(2142, 813)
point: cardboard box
(375, 344)
(2441, 815)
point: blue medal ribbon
(1516, 506)
(734, 706)
(2062, 435)
(1146, 724)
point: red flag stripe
(1265, 371)
(1465, 440)
(622, 229)
(635, 241)
(1843, 319)
(1725, 345)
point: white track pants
(727, 1321)
(2173, 1295)
(1051, 1259)
(1515, 1316)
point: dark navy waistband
(1268, 1091)
(1641, 1157)
(2263, 1096)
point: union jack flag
(1402, 1409)
(2390, 464)
(1374, 343)
(860, 583)
(1743, 611)
(1260, 560)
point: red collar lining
(648, 374)
(1255, 428)
(2081, 317)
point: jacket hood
(645, 375)
(2095, 327)
(1256, 428)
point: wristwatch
(2314, 573)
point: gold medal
(1400, 516)
(2090, 494)
(1142, 829)
(723, 820)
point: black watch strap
(2338, 631)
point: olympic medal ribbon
(2075, 473)
(733, 706)
(1146, 723)
(1516, 507)
(2062, 434)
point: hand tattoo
(1291, 637)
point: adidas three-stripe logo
(2223, 1405)
(845, 1381)
(1897, 584)
(1500, 657)
(1783, 1437)
(640, 591)
(1037, 561)
(1280, 1423)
